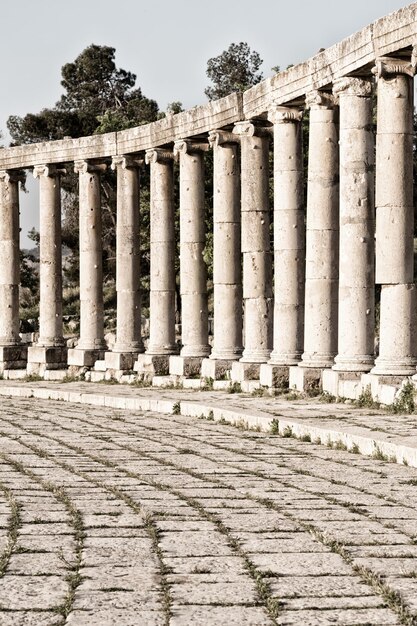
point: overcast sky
(166, 43)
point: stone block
(165, 381)
(221, 385)
(13, 357)
(305, 379)
(84, 358)
(51, 357)
(248, 386)
(245, 371)
(184, 366)
(14, 374)
(120, 360)
(342, 384)
(100, 366)
(97, 376)
(152, 364)
(57, 375)
(274, 376)
(193, 383)
(217, 369)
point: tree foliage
(235, 69)
(98, 97)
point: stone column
(91, 345)
(193, 271)
(162, 241)
(256, 249)
(227, 343)
(357, 227)
(322, 239)
(289, 246)
(395, 218)
(12, 354)
(50, 350)
(128, 334)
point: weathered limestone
(257, 266)
(12, 354)
(162, 289)
(322, 234)
(357, 227)
(50, 351)
(128, 334)
(91, 344)
(193, 271)
(227, 280)
(289, 246)
(395, 217)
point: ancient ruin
(314, 321)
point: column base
(262, 356)
(190, 367)
(358, 363)
(274, 376)
(201, 351)
(152, 364)
(42, 358)
(285, 358)
(163, 350)
(120, 360)
(84, 358)
(227, 355)
(305, 379)
(135, 348)
(217, 369)
(244, 371)
(317, 360)
(13, 357)
(395, 367)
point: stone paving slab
(131, 517)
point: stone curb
(361, 440)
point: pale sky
(166, 43)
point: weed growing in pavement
(366, 401)
(208, 383)
(405, 402)
(259, 392)
(235, 387)
(354, 449)
(306, 437)
(339, 445)
(287, 432)
(176, 409)
(274, 427)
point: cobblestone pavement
(111, 517)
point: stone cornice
(386, 67)
(50, 171)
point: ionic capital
(158, 155)
(249, 128)
(353, 87)
(285, 115)
(320, 100)
(12, 176)
(188, 146)
(86, 167)
(386, 67)
(126, 162)
(50, 171)
(221, 137)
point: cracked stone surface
(123, 517)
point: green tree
(235, 69)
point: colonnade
(286, 310)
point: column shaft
(227, 279)
(193, 271)
(289, 237)
(9, 253)
(128, 334)
(322, 237)
(50, 257)
(162, 242)
(91, 263)
(357, 227)
(257, 266)
(395, 218)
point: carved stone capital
(249, 128)
(12, 176)
(126, 162)
(222, 137)
(353, 87)
(158, 155)
(388, 67)
(86, 167)
(320, 99)
(285, 115)
(188, 146)
(50, 171)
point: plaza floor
(114, 516)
